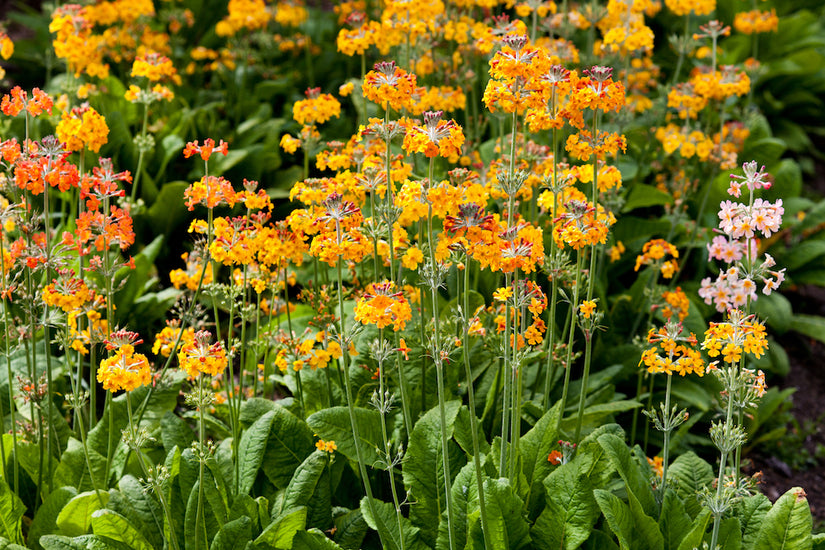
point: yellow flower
(587, 308)
(199, 356)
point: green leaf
(174, 431)
(570, 511)
(76, 517)
(423, 469)
(350, 529)
(385, 522)
(45, 521)
(674, 521)
(618, 517)
(107, 523)
(508, 526)
(60, 542)
(252, 448)
(464, 503)
(690, 474)
(73, 470)
(788, 524)
(730, 534)
(642, 196)
(645, 527)
(751, 514)
(812, 326)
(334, 424)
(535, 447)
(313, 540)
(693, 539)
(290, 442)
(310, 487)
(596, 415)
(279, 533)
(775, 310)
(801, 254)
(234, 535)
(619, 455)
(11, 513)
(140, 508)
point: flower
(199, 356)
(125, 370)
(436, 138)
(587, 308)
(205, 150)
(83, 127)
(317, 108)
(382, 306)
(390, 86)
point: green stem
(141, 152)
(588, 346)
(669, 428)
(200, 521)
(572, 329)
(9, 372)
(472, 408)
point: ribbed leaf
(508, 526)
(535, 447)
(252, 448)
(11, 514)
(310, 487)
(76, 517)
(45, 521)
(106, 523)
(751, 513)
(690, 474)
(290, 442)
(674, 521)
(334, 424)
(279, 533)
(788, 524)
(629, 470)
(570, 509)
(234, 535)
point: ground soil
(807, 375)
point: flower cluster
(672, 352)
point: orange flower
(205, 150)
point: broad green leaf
(570, 509)
(290, 442)
(642, 196)
(423, 469)
(310, 487)
(45, 521)
(174, 431)
(645, 528)
(775, 310)
(234, 535)
(73, 471)
(385, 522)
(350, 529)
(693, 538)
(76, 517)
(313, 540)
(751, 513)
(464, 503)
(600, 540)
(11, 513)
(629, 470)
(788, 524)
(690, 474)
(674, 521)
(198, 533)
(106, 523)
(279, 533)
(618, 517)
(730, 534)
(140, 508)
(812, 326)
(535, 447)
(60, 542)
(508, 525)
(334, 424)
(252, 448)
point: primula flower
(389, 86)
(740, 333)
(17, 100)
(201, 356)
(83, 127)
(210, 191)
(166, 338)
(205, 150)
(382, 305)
(436, 138)
(587, 308)
(317, 108)
(654, 253)
(125, 370)
(672, 352)
(67, 292)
